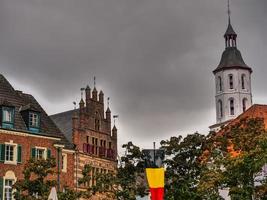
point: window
(34, 120)
(9, 153)
(232, 107)
(8, 189)
(40, 153)
(64, 162)
(8, 117)
(103, 143)
(220, 83)
(87, 139)
(244, 104)
(220, 109)
(231, 81)
(243, 79)
(97, 126)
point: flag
(155, 178)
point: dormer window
(7, 117)
(34, 122)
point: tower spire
(94, 81)
(230, 35)
(229, 12)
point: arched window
(231, 81)
(220, 109)
(232, 106)
(9, 180)
(219, 83)
(243, 80)
(244, 104)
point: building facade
(89, 129)
(27, 132)
(232, 82)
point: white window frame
(34, 120)
(7, 116)
(9, 175)
(8, 187)
(43, 149)
(15, 153)
(64, 162)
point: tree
(236, 158)
(182, 166)
(126, 183)
(35, 184)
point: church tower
(233, 81)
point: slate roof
(64, 122)
(232, 59)
(21, 101)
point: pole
(58, 168)
(154, 146)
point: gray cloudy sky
(154, 58)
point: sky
(153, 58)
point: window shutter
(2, 152)
(48, 153)
(19, 160)
(33, 152)
(1, 188)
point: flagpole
(154, 144)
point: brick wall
(27, 142)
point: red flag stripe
(157, 193)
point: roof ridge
(64, 112)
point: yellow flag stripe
(155, 177)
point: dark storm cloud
(154, 58)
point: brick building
(89, 129)
(26, 131)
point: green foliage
(125, 184)
(182, 166)
(35, 184)
(236, 160)
(69, 194)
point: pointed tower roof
(231, 57)
(114, 128)
(108, 110)
(230, 31)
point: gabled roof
(22, 101)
